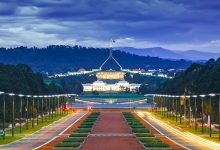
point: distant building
(110, 80)
(104, 86)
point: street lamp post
(20, 95)
(153, 102)
(164, 106)
(46, 107)
(38, 110)
(189, 109)
(58, 105)
(52, 101)
(13, 112)
(61, 105)
(160, 99)
(32, 112)
(202, 112)
(180, 109)
(210, 123)
(169, 108)
(173, 97)
(3, 123)
(42, 109)
(166, 100)
(27, 97)
(176, 107)
(195, 111)
(219, 117)
(49, 107)
(37, 107)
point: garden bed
(77, 138)
(143, 134)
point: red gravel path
(109, 123)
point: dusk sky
(172, 24)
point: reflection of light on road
(141, 114)
(185, 136)
(85, 101)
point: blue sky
(172, 24)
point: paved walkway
(188, 140)
(111, 132)
(44, 135)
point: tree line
(196, 80)
(62, 58)
(20, 79)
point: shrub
(82, 130)
(137, 126)
(140, 130)
(78, 135)
(90, 119)
(87, 123)
(144, 135)
(156, 144)
(68, 145)
(74, 140)
(148, 140)
(85, 126)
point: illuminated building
(110, 80)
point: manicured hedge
(156, 144)
(137, 126)
(74, 140)
(140, 131)
(85, 126)
(87, 123)
(68, 145)
(148, 140)
(90, 119)
(82, 130)
(144, 135)
(78, 135)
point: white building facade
(103, 86)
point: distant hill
(170, 54)
(65, 58)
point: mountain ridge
(61, 58)
(160, 52)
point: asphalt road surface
(44, 135)
(185, 139)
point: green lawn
(30, 130)
(9, 139)
(186, 127)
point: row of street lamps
(54, 105)
(165, 102)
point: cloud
(177, 24)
